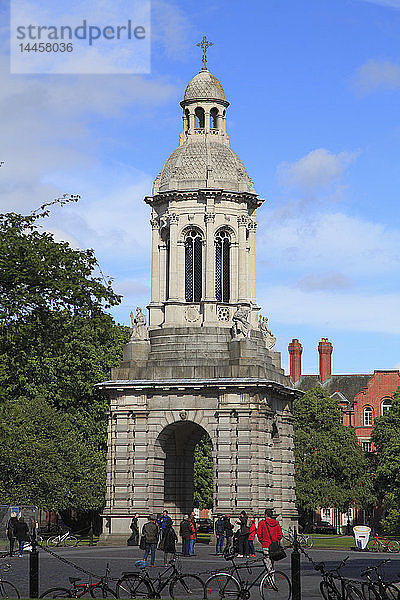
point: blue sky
(314, 87)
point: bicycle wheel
(100, 591)
(392, 592)
(53, 541)
(309, 541)
(369, 592)
(71, 541)
(275, 584)
(57, 593)
(375, 546)
(352, 593)
(8, 590)
(221, 585)
(133, 587)
(329, 592)
(185, 586)
(393, 546)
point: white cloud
(348, 312)
(377, 74)
(318, 169)
(324, 281)
(328, 242)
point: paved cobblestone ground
(53, 572)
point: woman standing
(252, 536)
(168, 543)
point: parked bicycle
(96, 589)
(139, 584)
(303, 539)
(378, 589)
(7, 589)
(382, 544)
(232, 585)
(65, 539)
(334, 586)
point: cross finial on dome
(205, 44)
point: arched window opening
(199, 118)
(368, 416)
(222, 266)
(386, 405)
(214, 118)
(193, 266)
(187, 119)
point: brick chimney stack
(295, 351)
(325, 349)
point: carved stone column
(155, 261)
(252, 260)
(163, 271)
(173, 256)
(242, 262)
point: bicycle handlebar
(375, 568)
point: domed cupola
(204, 86)
(204, 159)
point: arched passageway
(175, 447)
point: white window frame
(368, 414)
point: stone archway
(174, 458)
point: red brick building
(362, 397)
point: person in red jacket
(268, 531)
(252, 535)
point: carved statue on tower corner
(241, 324)
(139, 326)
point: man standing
(185, 531)
(150, 533)
(134, 526)
(164, 520)
(220, 534)
(228, 528)
(268, 531)
(10, 531)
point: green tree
(44, 460)
(331, 468)
(56, 343)
(203, 474)
(386, 437)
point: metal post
(295, 564)
(34, 569)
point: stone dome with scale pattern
(204, 158)
(204, 86)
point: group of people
(17, 531)
(242, 540)
(159, 532)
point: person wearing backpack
(268, 532)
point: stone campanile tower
(203, 220)
(206, 364)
